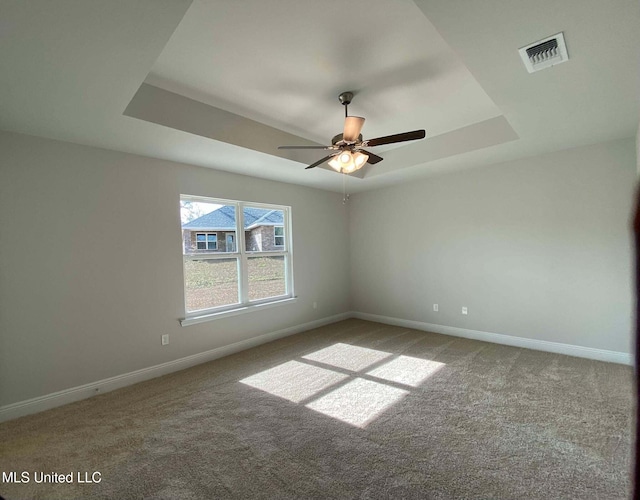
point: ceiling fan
(347, 149)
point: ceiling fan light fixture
(347, 162)
(342, 161)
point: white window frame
(243, 304)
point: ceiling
(221, 84)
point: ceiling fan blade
(352, 127)
(320, 162)
(305, 147)
(390, 139)
(373, 159)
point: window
(206, 241)
(235, 272)
(278, 232)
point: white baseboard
(48, 401)
(498, 338)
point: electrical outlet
(464, 310)
(165, 339)
(315, 305)
(435, 307)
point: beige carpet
(350, 410)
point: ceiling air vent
(544, 53)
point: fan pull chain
(345, 196)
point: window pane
(266, 277)
(202, 222)
(210, 283)
(279, 230)
(259, 228)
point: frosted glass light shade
(347, 162)
(360, 159)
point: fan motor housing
(338, 138)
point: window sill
(194, 320)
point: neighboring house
(216, 231)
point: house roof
(225, 218)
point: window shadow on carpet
(350, 383)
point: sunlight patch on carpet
(349, 357)
(352, 398)
(358, 402)
(294, 381)
(406, 370)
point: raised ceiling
(221, 84)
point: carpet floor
(351, 410)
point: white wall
(638, 149)
(91, 264)
(537, 248)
